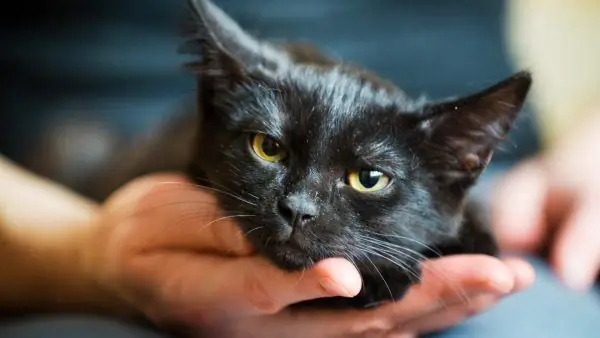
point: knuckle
(219, 236)
(376, 325)
(478, 304)
(230, 238)
(258, 296)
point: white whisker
(221, 219)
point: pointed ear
(461, 135)
(227, 51)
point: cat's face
(316, 162)
(322, 167)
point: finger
(458, 309)
(518, 205)
(168, 212)
(449, 316)
(247, 285)
(453, 278)
(475, 274)
(523, 273)
(576, 254)
(313, 324)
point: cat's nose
(297, 209)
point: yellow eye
(367, 180)
(267, 148)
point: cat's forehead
(340, 90)
(324, 112)
(330, 106)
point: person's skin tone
(557, 193)
(155, 249)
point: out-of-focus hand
(555, 199)
(162, 247)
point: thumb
(518, 206)
(246, 285)
(263, 288)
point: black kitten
(329, 160)
(332, 161)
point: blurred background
(79, 74)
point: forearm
(45, 277)
(42, 230)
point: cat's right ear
(227, 51)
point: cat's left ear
(227, 51)
(458, 137)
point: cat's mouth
(290, 256)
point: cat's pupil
(369, 178)
(270, 147)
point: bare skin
(155, 249)
(554, 199)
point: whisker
(405, 251)
(434, 250)
(239, 198)
(382, 246)
(252, 230)
(351, 260)
(221, 219)
(401, 265)
(383, 279)
(222, 186)
(301, 277)
(154, 207)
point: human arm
(41, 228)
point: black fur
(331, 118)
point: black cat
(330, 159)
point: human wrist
(44, 272)
(44, 231)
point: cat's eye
(367, 180)
(267, 148)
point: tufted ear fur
(458, 137)
(228, 53)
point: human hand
(162, 246)
(159, 247)
(554, 200)
(452, 289)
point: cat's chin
(289, 257)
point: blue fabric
(547, 310)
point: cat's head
(318, 160)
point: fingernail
(575, 275)
(330, 287)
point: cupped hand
(162, 246)
(453, 289)
(553, 202)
